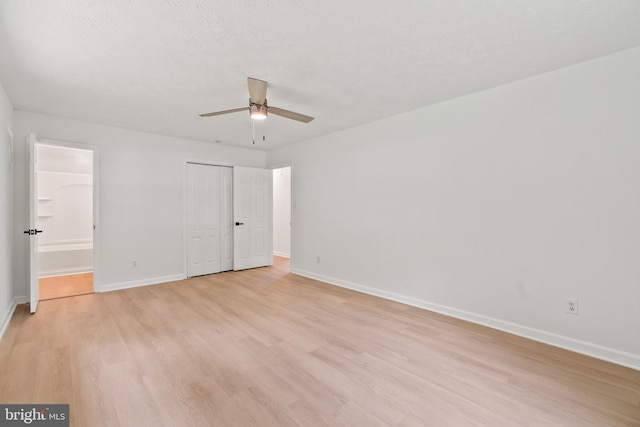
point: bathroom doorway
(64, 181)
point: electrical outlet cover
(571, 306)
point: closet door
(203, 220)
(226, 217)
(252, 217)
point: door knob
(239, 223)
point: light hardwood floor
(65, 286)
(264, 347)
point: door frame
(291, 207)
(96, 197)
(185, 207)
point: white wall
(141, 178)
(65, 209)
(494, 207)
(282, 211)
(6, 268)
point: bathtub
(65, 258)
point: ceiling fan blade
(219, 113)
(289, 114)
(257, 90)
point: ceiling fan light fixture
(258, 108)
(258, 112)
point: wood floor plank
(65, 286)
(266, 347)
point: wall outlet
(571, 306)
(318, 259)
(134, 264)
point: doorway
(282, 215)
(64, 210)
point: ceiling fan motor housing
(257, 111)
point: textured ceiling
(154, 65)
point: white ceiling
(154, 65)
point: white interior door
(252, 217)
(203, 220)
(226, 217)
(32, 231)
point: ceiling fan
(258, 108)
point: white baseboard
(7, 318)
(59, 273)
(282, 254)
(138, 283)
(578, 346)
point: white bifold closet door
(209, 219)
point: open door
(252, 218)
(32, 232)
